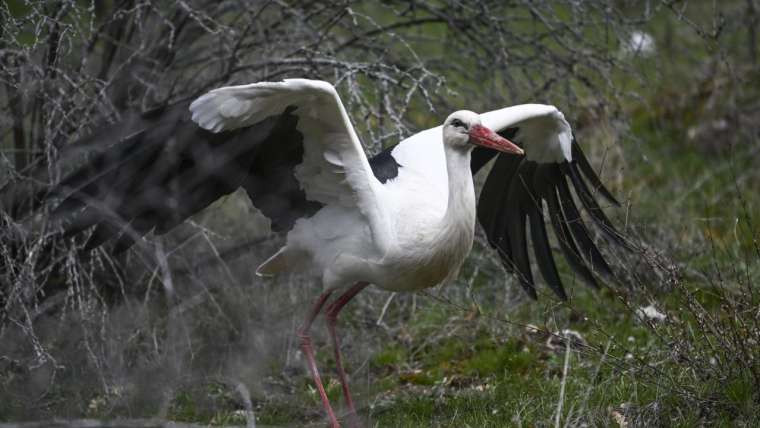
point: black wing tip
(557, 288)
(580, 174)
(619, 239)
(542, 251)
(581, 161)
(501, 224)
(592, 207)
(529, 289)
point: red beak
(485, 137)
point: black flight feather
(166, 168)
(561, 230)
(516, 218)
(592, 207)
(514, 192)
(578, 229)
(580, 158)
(541, 249)
(494, 203)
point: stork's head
(463, 129)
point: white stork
(403, 220)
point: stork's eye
(458, 123)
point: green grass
(473, 363)
(457, 369)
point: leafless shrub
(101, 335)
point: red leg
(303, 334)
(332, 318)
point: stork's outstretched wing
(335, 169)
(289, 144)
(517, 187)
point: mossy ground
(456, 367)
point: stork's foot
(332, 319)
(308, 350)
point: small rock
(650, 313)
(619, 418)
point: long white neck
(461, 197)
(457, 227)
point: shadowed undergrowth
(181, 328)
